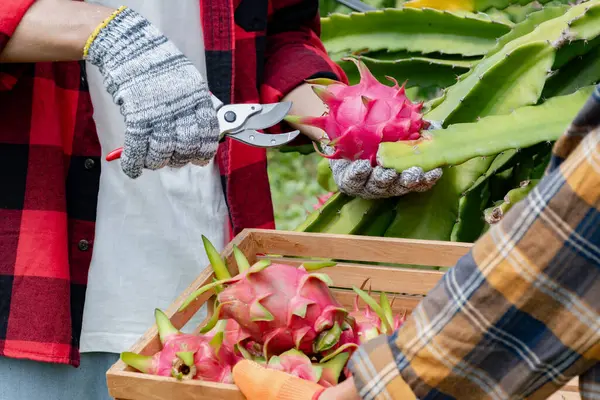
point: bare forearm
(305, 103)
(54, 30)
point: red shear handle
(113, 155)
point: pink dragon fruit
(186, 356)
(364, 325)
(376, 319)
(298, 364)
(362, 116)
(279, 306)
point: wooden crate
(408, 286)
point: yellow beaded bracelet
(96, 31)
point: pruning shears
(242, 122)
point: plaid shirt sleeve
(11, 13)
(519, 315)
(294, 51)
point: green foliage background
(293, 186)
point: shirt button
(89, 163)
(83, 245)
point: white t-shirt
(148, 245)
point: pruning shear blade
(241, 122)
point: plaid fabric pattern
(257, 51)
(49, 174)
(50, 169)
(519, 315)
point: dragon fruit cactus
(279, 306)
(362, 116)
(186, 356)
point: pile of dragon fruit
(281, 316)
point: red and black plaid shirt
(256, 51)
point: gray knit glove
(169, 116)
(359, 179)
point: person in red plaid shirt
(79, 79)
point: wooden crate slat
(381, 278)
(360, 248)
(127, 384)
(134, 386)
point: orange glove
(259, 383)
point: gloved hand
(259, 383)
(169, 116)
(359, 179)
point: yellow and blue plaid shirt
(518, 316)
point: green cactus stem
(403, 29)
(470, 224)
(352, 216)
(515, 75)
(416, 71)
(496, 85)
(341, 214)
(431, 215)
(579, 72)
(483, 5)
(489, 136)
(327, 212)
(325, 177)
(493, 215)
(380, 221)
(529, 25)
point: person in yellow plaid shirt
(518, 316)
